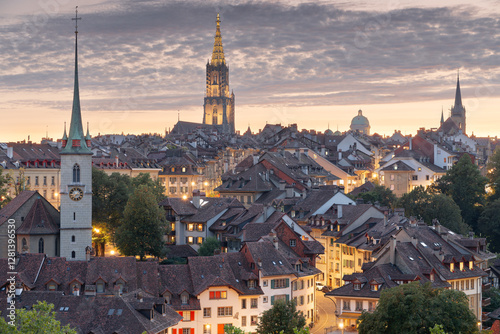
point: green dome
(329, 132)
(360, 119)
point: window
(36, 180)
(53, 181)
(100, 286)
(467, 285)
(199, 240)
(28, 179)
(207, 312)
(52, 287)
(346, 305)
(414, 177)
(392, 177)
(173, 190)
(301, 300)
(53, 194)
(251, 284)
(472, 284)
(186, 330)
(243, 303)
(253, 303)
(207, 329)
(190, 227)
(359, 305)
(184, 179)
(462, 285)
(218, 294)
(357, 286)
(253, 320)
(189, 240)
(76, 173)
(243, 321)
(184, 170)
(184, 298)
(293, 242)
(168, 298)
(427, 177)
(44, 180)
(173, 179)
(264, 299)
(200, 227)
(371, 306)
(264, 283)
(186, 316)
(45, 193)
(392, 187)
(40, 246)
(73, 238)
(279, 283)
(225, 311)
(73, 254)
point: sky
(314, 63)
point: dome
(329, 132)
(360, 119)
(337, 133)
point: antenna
(76, 18)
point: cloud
(154, 53)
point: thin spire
(76, 139)
(457, 108)
(87, 137)
(442, 115)
(65, 136)
(218, 53)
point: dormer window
(461, 266)
(357, 286)
(471, 265)
(168, 298)
(120, 283)
(100, 286)
(452, 267)
(251, 284)
(374, 287)
(184, 298)
(52, 286)
(431, 277)
(75, 290)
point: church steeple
(76, 140)
(218, 53)
(442, 116)
(457, 108)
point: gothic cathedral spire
(219, 101)
(458, 110)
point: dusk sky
(314, 63)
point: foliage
(18, 182)
(466, 186)
(4, 188)
(155, 185)
(493, 175)
(230, 329)
(494, 294)
(379, 194)
(144, 225)
(283, 317)
(429, 206)
(437, 329)
(208, 247)
(415, 308)
(489, 225)
(41, 320)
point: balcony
(486, 286)
(486, 302)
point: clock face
(76, 194)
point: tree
(489, 225)
(155, 185)
(282, 317)
(379, 194)
(493, 175)
(415, 308)
(4, 188)
(429, 206)
(208, 247)
(41, 320)
(466, 186)
(144, 225)
(19, 183)
(230, 329)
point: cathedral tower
(219, 102)
(76, 181)
(458, 110)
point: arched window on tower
(40, 245)
(214, 116)
(76, 173)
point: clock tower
(76, 181)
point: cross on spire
(76, 18)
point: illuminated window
(218, 294)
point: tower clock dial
(76, 194)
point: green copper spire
(76, 140)
(457, 108)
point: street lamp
(341, 326)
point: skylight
(423, 243)
(119, 311)
(411, 258)
(110, 312)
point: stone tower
(76, 182)
(458, 110)
(219, 102)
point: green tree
(489, 225)
(230, 329)
(493, 175)
(208, 247)
(466, 186)
(19, 182)
(155, 185)
(40, 320)
(283, 317)
(379, 194)
(4, 188)
(416, 308)
(429, 206)
(144, 225)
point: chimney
(297, 153)
(393, 250)
(339, 211)
(340, 155)
(413, 222)
(410, 143)
(196, 198)
(323, 150)
(116, 160)
(275, 242)
(282, 185)
(385, 219)
(289, 191)
(10, 152)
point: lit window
(218, 294)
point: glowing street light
(341, 326)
